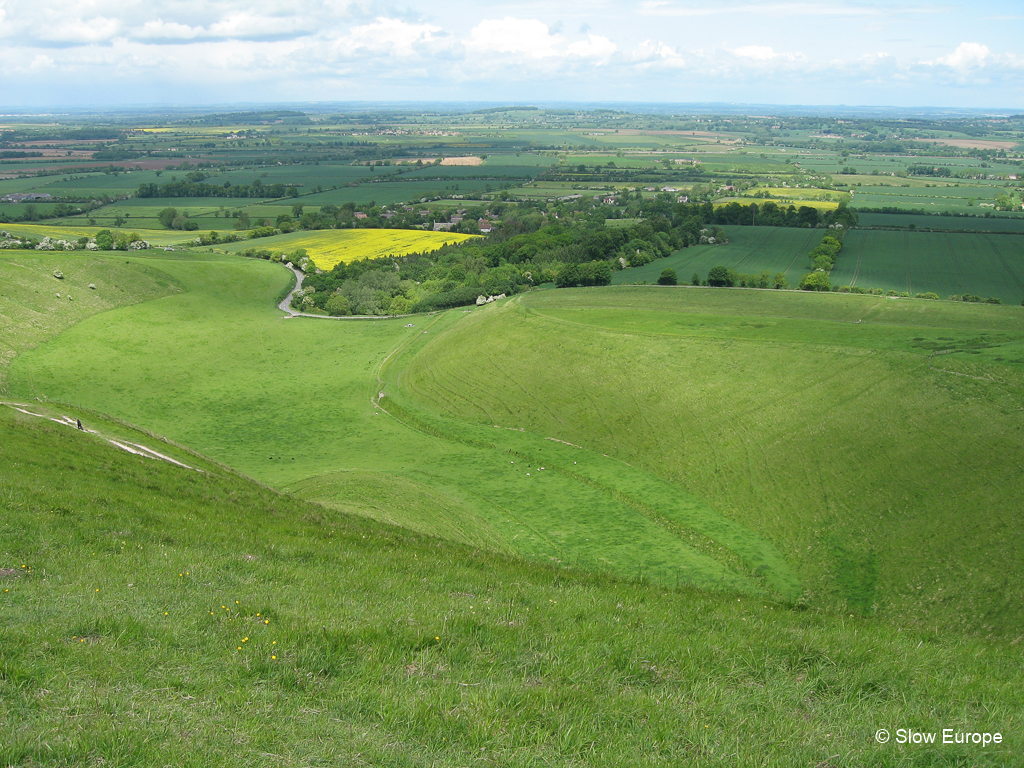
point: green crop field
(750, 250)
(917, 262)
(995, 223)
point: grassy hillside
(36, 305)
(751, 441)
(157, 615)
(822, 423)
(290, 402)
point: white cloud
(41, 61)
(527, 37)
(345, 49)
(245, 25)
(763, 53)
(759, 52)
(967, 56)
(595, 47)
(651, 53)
(81, 31)
(390, 36)
(166, 30)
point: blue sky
(853, 52)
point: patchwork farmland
(592, 526)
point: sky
(109, 53)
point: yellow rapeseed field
(329, 247)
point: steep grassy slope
(36, 306)
(290, 402)
(754, 441)
(889, 478)
(155, 615)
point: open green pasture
(763, 442)
(158, 615)
(18, 184)
(15, 211)
(519, 159)
(76, 183)
(820, 423)
(962, 199)
(554, 189)
(36, 306)
(910, 182)
(602, 160)
(307, 175)
(217, 368)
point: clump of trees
(815, 281)
(722, 277)
(823, 259)
(171, 218)
(590, 273)
(106, 240)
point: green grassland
(36, 306)
(761, 406)
(217, 368)
(838, 475)
(963, 199)
(472, 411)
(156, 237)
(158, 615)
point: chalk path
(125, 445)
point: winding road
(285, 305)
